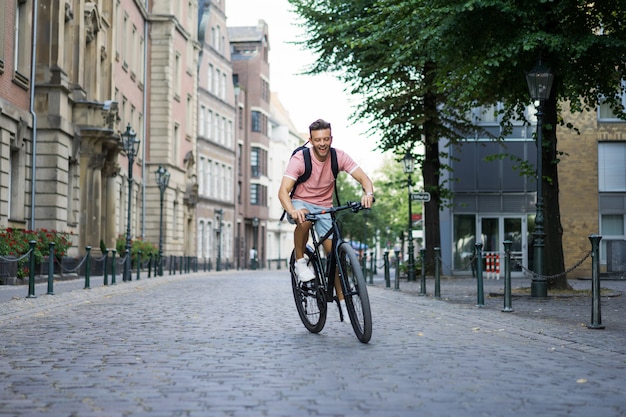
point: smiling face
(321, 140)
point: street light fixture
(131, 148)
(539, 81)
(219, 214)
(162, 179)
(409, 165)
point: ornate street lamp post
(539, 81)
(408, 165)
(131, 148)
(219, 213)
(162, 179)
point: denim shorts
(323, 222)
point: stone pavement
(231, 344)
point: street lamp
(131, 147)
(219, 214)
(539, 81)
(162, 180)
(409, 164)
(255, 227)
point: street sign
(425, 197)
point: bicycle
(312, 298)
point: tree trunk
(553, 250)
(432, 233)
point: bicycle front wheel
(355, 293)
(310, 299)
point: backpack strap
(335, 167)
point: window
(612, 166)
(223, 87)
(3, 7)
(258, 162)
(201, 120)
(255, 168)
(258, 195)
(201, 175)
(209, 127)
(607, 114)
(22, 41)
(210, 78)
(256, 121)
(177, 75)
(16, 180)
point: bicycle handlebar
(350, 205)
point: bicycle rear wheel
(355, 293)
(310, 300)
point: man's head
(319, 124)
(321, 138)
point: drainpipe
(145, 123)
(34, 115)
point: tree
(486, 46)
(364, 43)
(421, 64)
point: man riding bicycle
(316, 193)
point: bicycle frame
(330, 268)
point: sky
(305, 97)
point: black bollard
(423, 277)
(437, 273)
(596, 316)
(106, 272)
(50, 268)
(113, 261)
(31, 272)
(507, 276)
(387, 278)
(397, 278)
(480, 294)
(138, 265)
(87, 267)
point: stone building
(16, 115)
(98, 67)
(217, 140)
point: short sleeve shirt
(318, 189)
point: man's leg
(300, 237)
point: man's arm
(368, 198)
(286, 185)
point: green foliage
(16, 242)
(147, 249)
(389, 216)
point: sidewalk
(572, 313)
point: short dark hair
(319, 124)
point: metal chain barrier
(70, 270)
(548, 277)
(13, 259)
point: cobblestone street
(231, 344)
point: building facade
(98, 68)
(493, 202)
(284, 138)
(251, 74)
(217, 219)
(16, 115)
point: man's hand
(367, 200)
(298, 215)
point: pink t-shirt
(318, 189)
